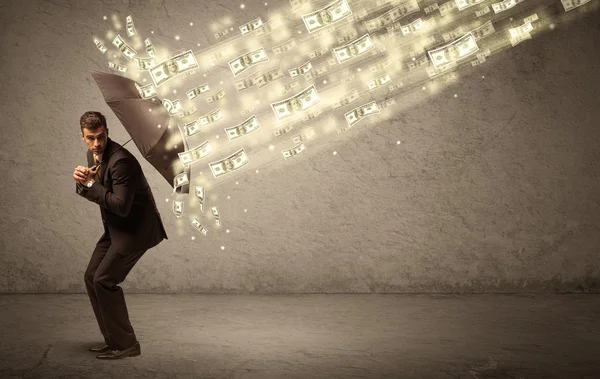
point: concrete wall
(495, 190)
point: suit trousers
(109, 267)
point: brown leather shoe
(99, 349)
(132, 351)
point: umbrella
(123, 97)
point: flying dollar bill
(297, 4)
(451, 53)
(430, 8)
(412, 27)
(520, 33)
(283, 130)
(304, 136)
(379, 81)
(188, 111)
(417, 62)
(195, 154)
(293, 151)
(196, 224)
(296, 104)
(447, 7)
(233, 162)
(454, 34)
(483, 11)
(359, 113)
(246, 83)
(347, 36)
(328, 15)
(173, 66)
(146, 91)
(124, 48)
(217, 96)
(215, 213)
(464, 4)
(317, 53)
(285, 47)
(262, 80)
(150, 48)
(199, 192)
(288, 87)
(504, 5)
(269, 26)
(483, 31)
(300, 70)
(173, 107)
(130, 27)
(144, 63)
(572, 4)
(248, 60)
(192, 128)
(250, 26)
(117, 67)
(532, 18)
(353, 49)
(246, 127)
(197, 91)
(180, 180)
(320, 70)
(100, 45)
(211, 117)
(406, 8)
(222, 33)
(348, 98)
(178, 208)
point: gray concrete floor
(310, 336)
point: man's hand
(84, 174)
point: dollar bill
(246, 127)
(173, 107)
(285, 47)
(394, 87)
(199, 191)
(250, 26)
(303, 69)
(572, 4)
(124, 48)
(447, 7)
(180, 180)
(196, 224)
(412, 27)
(353, 49)
(379, 81)
(246, 83)
(173, 66)
(297, 149)
(283, 130)
(317, 53)
(358, 15)
(233, 162)
(532, 18)
(297, 4)
(130, 27)
(480, 57)
(188, 111)
(328, 15)
(117, 67)
(453, 52)
(217, 96)
(483, 31)
(430, 8)
(191, 128)
(262, 80)
(150, 48)
(483, 11)
(144, 63)
(320, 70)
(100, 45)
(454, 34)
(520, 33)
(360, 112)
(296, 104)
(348, 98)
(248, 60)
(178, 208)
(269, 26)
(406, 8)
(504, 5)
(288, 87)
(417, 62)
(195, 154)
(304, 136)
(464, 4)
(215, 213)
(380, 65)
(222, 33)
(146, 91)
(347, 36)
(211, 117)
(197, 91)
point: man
(132, 225)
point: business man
(132, 225)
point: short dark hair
(92, 120)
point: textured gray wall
(495, 190)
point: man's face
(96, 140)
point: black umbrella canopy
(141, 118)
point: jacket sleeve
(81, 189)
(124, 181)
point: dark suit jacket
(128, 209)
